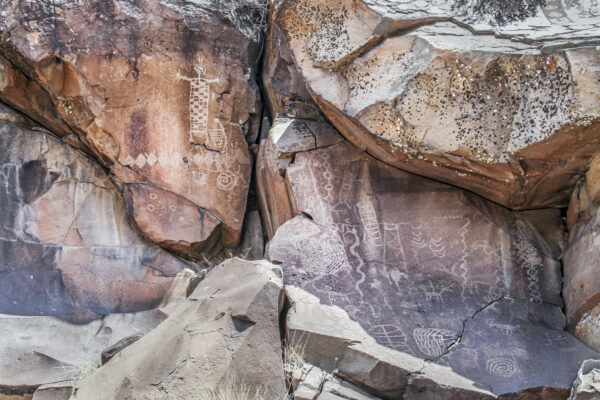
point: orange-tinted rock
(66, 244)
(490, 103)
(162, 93)
(426, 269)
(25, 94)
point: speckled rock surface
(427, 270)
(498, 99)
(66, 244)
(164, 95)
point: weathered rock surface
(66, 245)
(587, 384)
(500, 99)
(222, 332)
(162, 92)
(312, 383)
(426, 269)
(54, 391)
(20, 92)
(41, 350)
(581, 289)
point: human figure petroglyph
(199, 101)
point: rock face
(44, 350)
(480, 286)
(498, 99)
(221, 332)
(66, 245)
(162, 93)
(581, 289)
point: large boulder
(163, 93)
(66, 245)
(225, 333)
(426, 269)
(37, 350)
(496, 97)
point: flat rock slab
(66, 244)
(162, 92)
(225, 332)
(41, 350)
(498, 98)
(425, 268)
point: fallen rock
(54, 391)
(316, 384)
(44, 350)
(498, 99)
(587, 384)
(163, 93)
(469, 271)
(222, 333)
(66, 244)
(110, 352)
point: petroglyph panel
(412, 260)
(156, 99)
(494, 97)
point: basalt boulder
(427, 270)
(67, 247)
(500, 98)
(223, 335)
(162, 92)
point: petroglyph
(391, 336)
(501, 367)
(433, 342)
(226, 180)
(368, 217)
(322, 255)
(201, 131)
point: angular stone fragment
(162, 92)
(502, 102)
(423, 268)
(587, 384)
(54, 391)
(66, 246)
(43, 350)
(287, 137)
(222, 333)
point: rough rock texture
(581, 289)
(498, 99)
(66, 244)
(288, 136)
(20, 92)
(480, 286)
(312, 383)
(162, 92)
(221, 332)
(587, 384)
(42, 350)
(54, 391)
